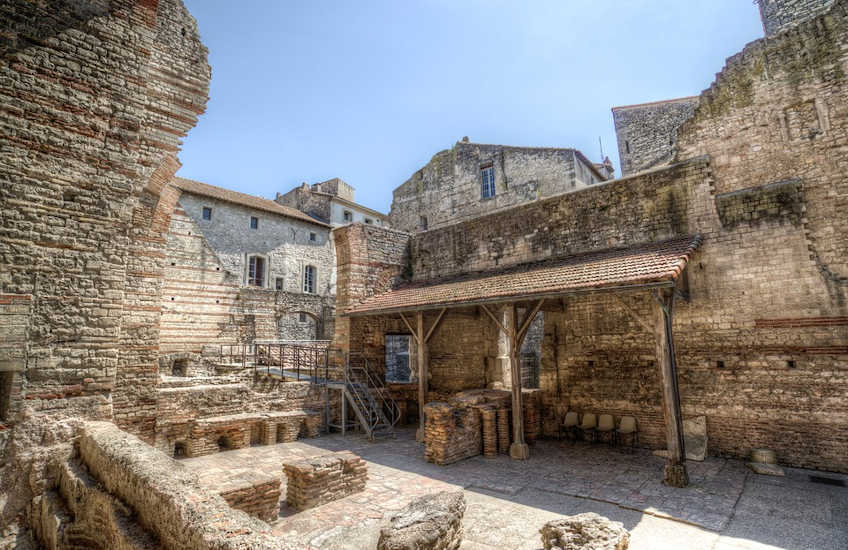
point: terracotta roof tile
(199, 188)
(637, 265)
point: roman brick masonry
(707, 282)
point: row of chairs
(599, 426)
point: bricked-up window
(6, 380)
(487, 182)
(278, 283)
(397, 358)
(254, 222)
(309, 279)
(348, 216)
(207, 213)
(256, 271)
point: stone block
(587, 531)
(431, 522)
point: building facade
(473, 179)
(241, 268)
(647, 133)
(760, 332)
(331, 202)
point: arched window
(309, 279)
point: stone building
(241, 268)
(473, 179)
(647, 133)
(778, 15)
(712, 285)
(331, 202)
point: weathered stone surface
(587, 531)
(647, 133)
(448, 188)
(766, 469)
(318, 480)
(431, 522)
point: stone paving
(726, 507)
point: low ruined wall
(260, 499)
(322, 479)
(166, 500)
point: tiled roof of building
(638, 265)
(199, 188)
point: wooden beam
(435, 324)
(495, 319)
(409, 326)
(422, 374)
(527, 320)
(633, 313)
(675, 469)
(519, 449)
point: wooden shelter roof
(646, 265)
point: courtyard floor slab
(726, 506)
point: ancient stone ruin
(696, 304)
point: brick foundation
(315, 481)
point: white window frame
(266, 270)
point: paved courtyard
(726, 507)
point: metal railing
(370, 396)
(299, 359)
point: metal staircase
(370, 399)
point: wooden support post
(675, 469)
(519, 449)
(422, 374)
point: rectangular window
(207, 213)
(254, 222)
(313, 237)
(309, 279)
(302, 317)
(369, 221)
(278, 283)
(348, 216)
(487, 182)
(256, 271)
(397, 358)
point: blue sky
(368, 91)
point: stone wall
(778, 15)
(448, 188)
(120, 493)
(318, 480)
(96, 99)
(204, 300)
(259, 498)
(647, 133)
